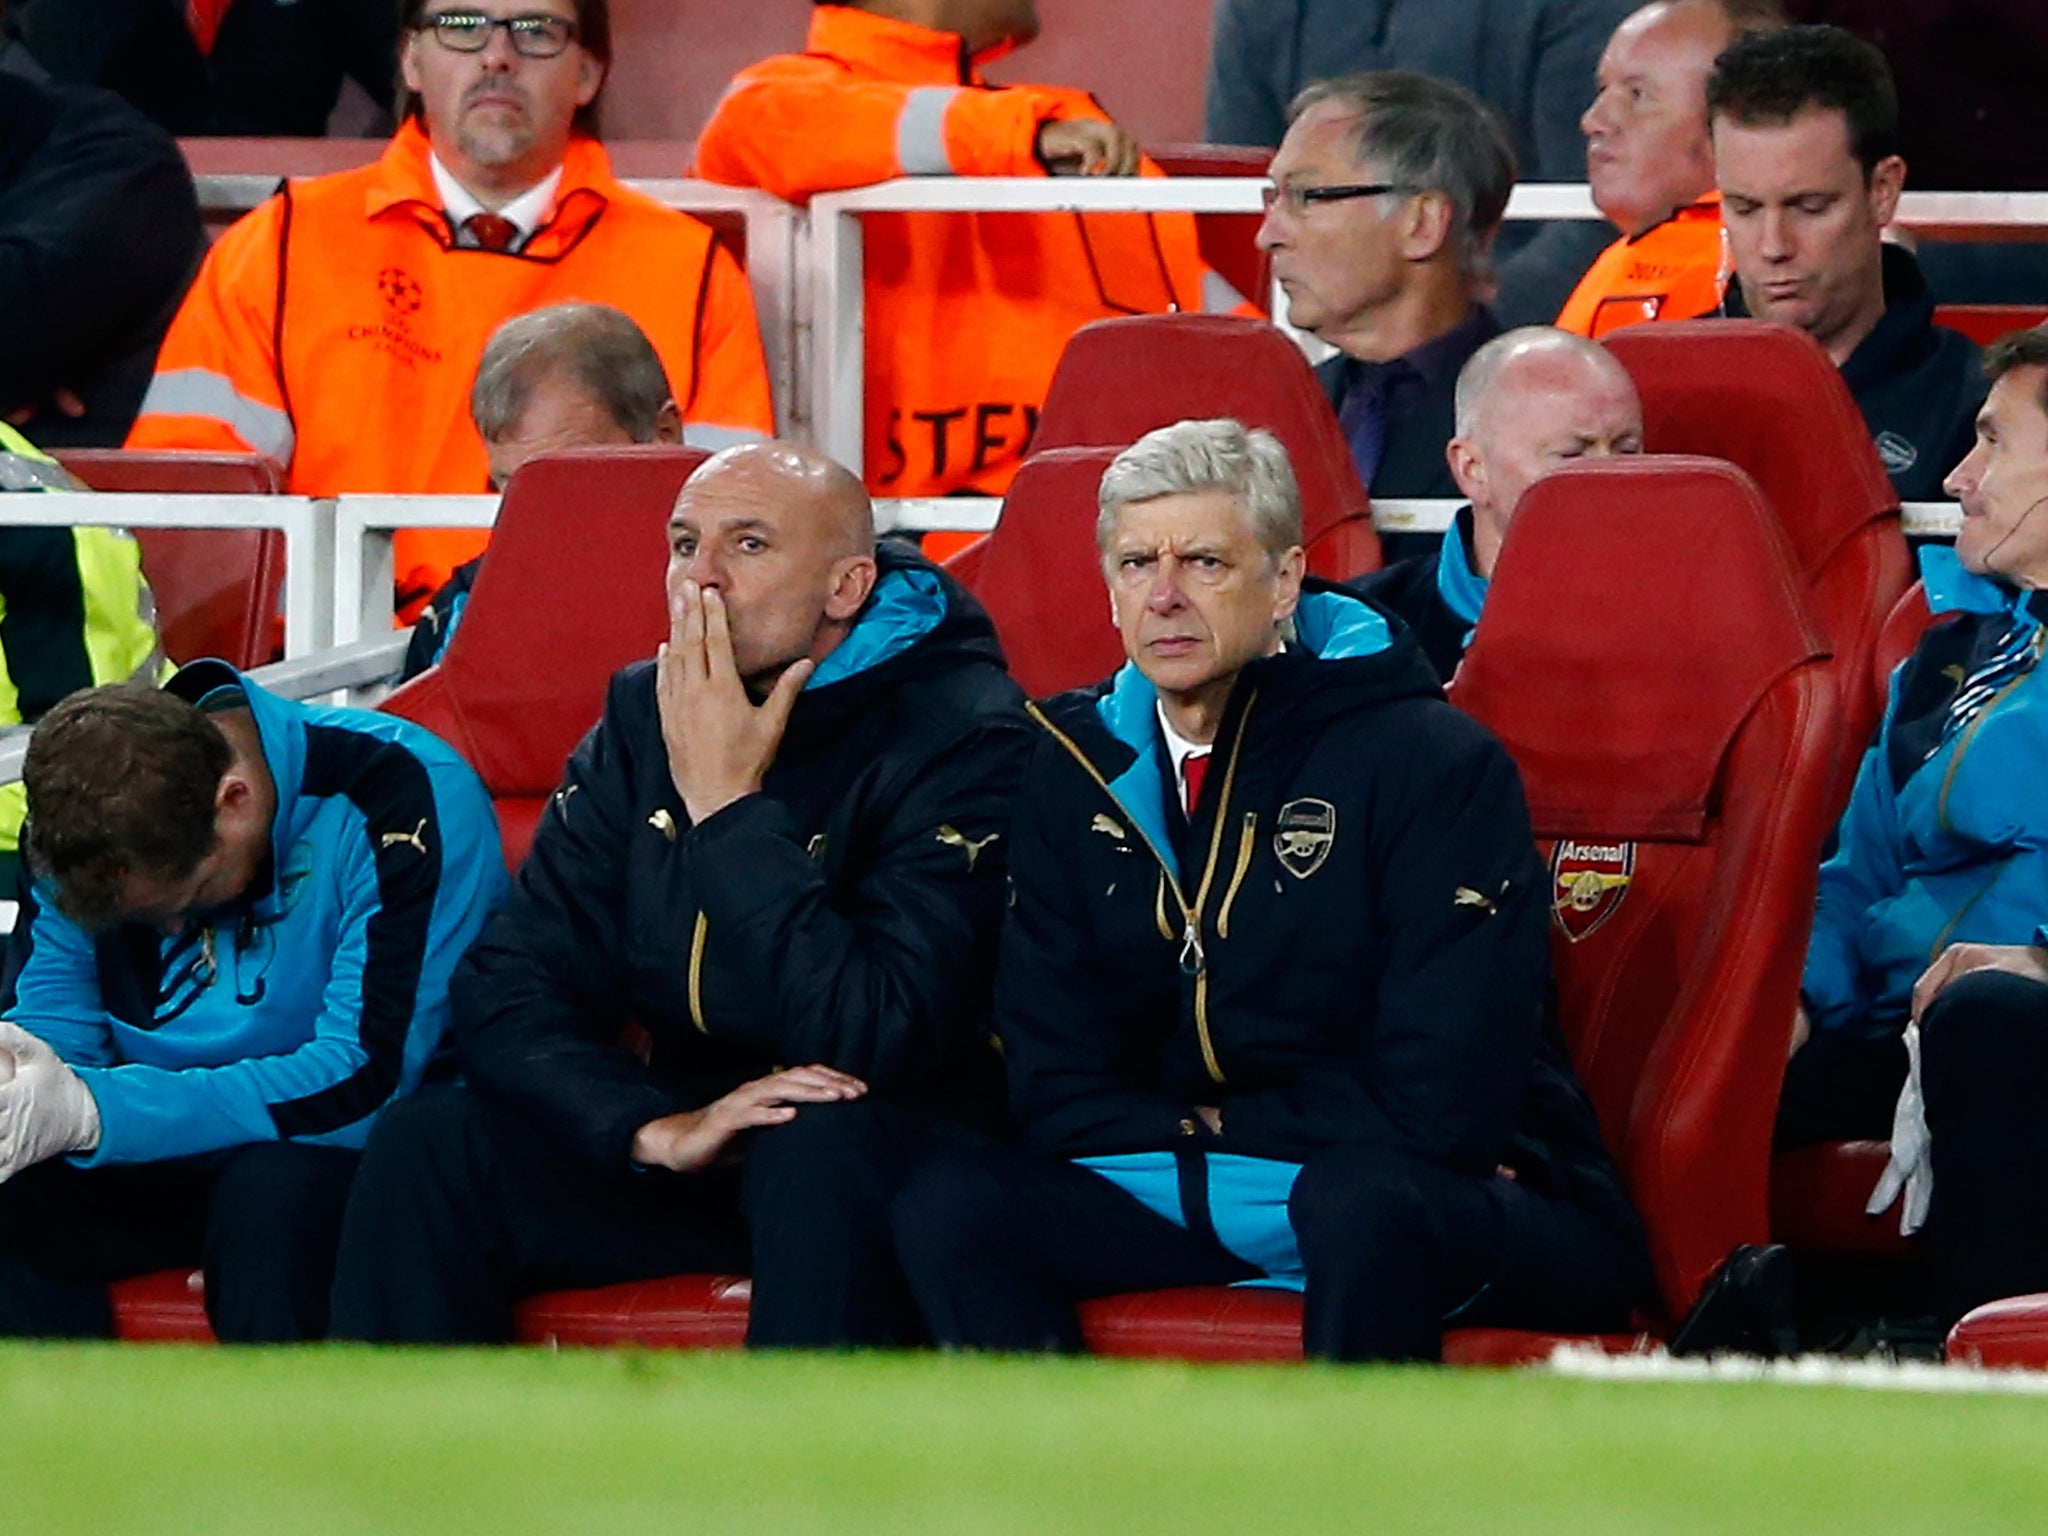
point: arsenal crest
(1587, 884)
(1304, 836)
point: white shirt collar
(1179, 749)
(528, 211)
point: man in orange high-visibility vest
(337, 328)
(967, 313)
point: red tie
(1194, 768)
(204, 18)
(491, 231)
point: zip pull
(1192, 958)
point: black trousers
(1984, 1077)
(1841, 1087)
(1000, 1244)
(262, 1221)
(462, 1208)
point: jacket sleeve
(217, 385)
(729, 398)
(98, 236)
(1864, 869)
(1463, 989)
(890, 977)
(406, 917)
(803, 127)
(1080, 1077)
(1247, 101)
(53, 988)
(541, 1001)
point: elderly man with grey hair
(571, 375)
(1527, 401)
(1274, 986)
(1386, 196)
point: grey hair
(1433, 136)
(1191, 457)
(1483, 368)
(600, 348)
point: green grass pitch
(113, 1440)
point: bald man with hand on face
(782, 853)
(1528, 401)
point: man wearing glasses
(336, 329)
(235, 957)
(1386, 195)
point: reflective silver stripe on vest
(715, 439)
(921, 131)
(1218, 297)
(199, 392)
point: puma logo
(953, 838)
(663, 823)
(1108, 826)
(415, 838)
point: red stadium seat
(1818, 1193)
(216, 589)
(1908, 621)
(1119, 379)
(2011, 1334)
(1675, 737)
(167, 1307)
(570, 592)
(1039, 577)
(1766, 398)
(1985, 323)
(1229, 240)
(681, 1312)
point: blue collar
(1463, 592)
(1331, 626)
(906, 606)
(1952, 589)
(1130, 710)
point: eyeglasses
(1298, 199)
(533, 36)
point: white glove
(1911, 1170)
(45, 1108)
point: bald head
(1528, 401)
(786, 536)
(1647, 150)
(804, 480)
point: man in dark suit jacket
(1387, 192)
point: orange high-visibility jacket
(1671, 271)
(337, 330)
(966, 313)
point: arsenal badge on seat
(1587, 883)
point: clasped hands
(45, 1108)
(720, 743)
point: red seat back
(1040, 578)
(1903, 627)
(1229, 241)
(216, 589)
(570, 592)
(1765, 398)
(1985, 323)
(1674, 737)
(1119, 379)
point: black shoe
(1746, 1309)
